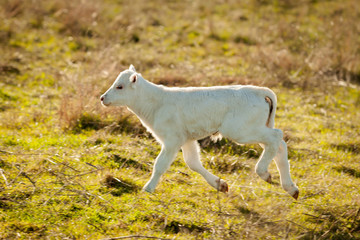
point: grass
(72, 169)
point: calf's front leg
(162, 163)
(192, 158)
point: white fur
(178, 117)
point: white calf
(178, 117)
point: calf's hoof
(293, 190)
(296, 194)
(268, 180)
(265, 175)
(148, 189)
(222, 186)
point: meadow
(72, 169)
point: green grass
(70, 168)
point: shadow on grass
(224, 166)
(128, 162)
(348, 147)
(175, 227)
(335, 223)
(118, 186)
(350, 171)
(227, 146)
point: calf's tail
(270, 98)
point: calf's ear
(133, 79)
(132, 68)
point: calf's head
(123, 89)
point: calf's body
(178, 117)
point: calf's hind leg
(192, 158)
(269, 140)
(282, 163)
(270, 143)
(276, 149)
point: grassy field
(71, 169)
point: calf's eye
(119, 87)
